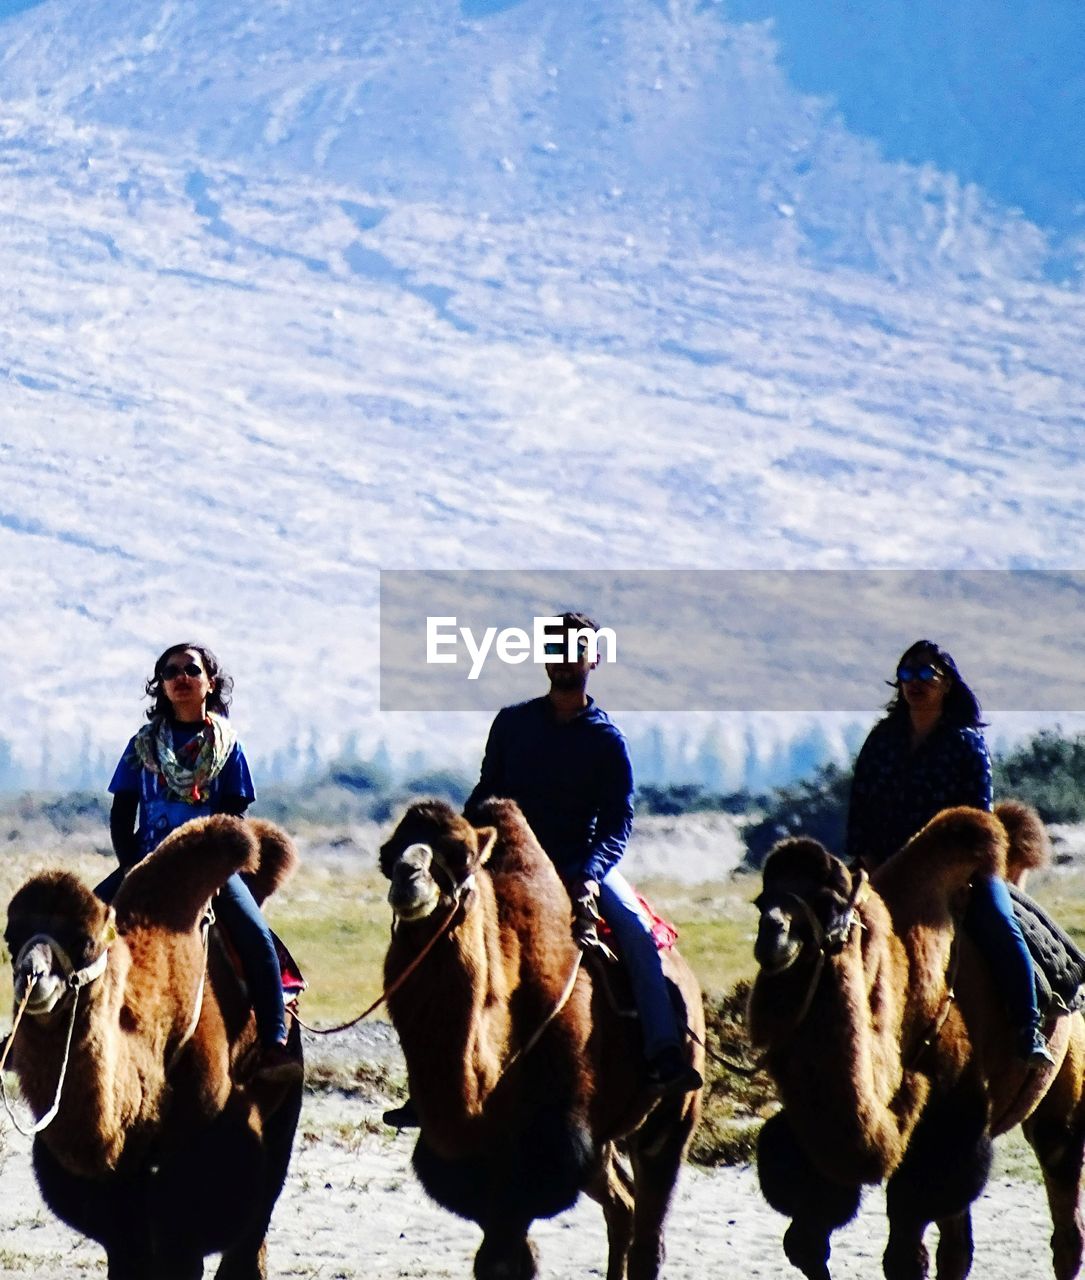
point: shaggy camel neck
(458, 998)
(860, 1110)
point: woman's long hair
(222, 684)
(961, 708)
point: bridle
(828, 941)
(74, 981)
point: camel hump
(954, 846)
(278, 859)
(515, 839)
(1030, 847)
(174, 883)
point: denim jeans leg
(236, 908)
(619, 907)
(991, 923)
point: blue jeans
(243, 921)
(619, 907)
(992, 925)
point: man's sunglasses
(925, 673)
(191, 669)
(559, 650)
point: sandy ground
(352, 1208)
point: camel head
(433, 854)
(807, 900)
(58, 934)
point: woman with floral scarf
(185, 763)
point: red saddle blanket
(664, 933)
(294, 981)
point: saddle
(294, 981)
(1058, 962)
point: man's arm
(614, 818)
(491, 775)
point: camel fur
(160, 1150)
(892, 1053)
(504, 1138)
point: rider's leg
(664, 1037)
(992, 924)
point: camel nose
(35, 964)
(416, 859)
(773, 938)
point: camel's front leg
(506, 1253)
(794, 1187)
(944, 1170)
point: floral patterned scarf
(188, 770)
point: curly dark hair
(222, 684)
(961, 708)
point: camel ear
(109, 930)
(487, 838)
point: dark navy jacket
(895, 791)
(573, 781)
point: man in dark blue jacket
(566, 764)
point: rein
(458, 899)
(536, 1036)
(934, 1027)
(75, 981)
(193, 1022)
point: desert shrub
(734, 1105)
(690, 797)
(815, 807)
(441, 784)
(1047, 771)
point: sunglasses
(191, 669)
(926, 673)
(559, 650)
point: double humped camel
(892, 1052)
(525, 1101)
(160, 1149)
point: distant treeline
(1047, 771)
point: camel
(524, 1100)
(159, 1149)
(892, 1053)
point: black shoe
(404, 1117)
(1032, 1049)
(670, 1073)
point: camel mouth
(419, 900)
(776, 948)
(45, 992)
(780, 958)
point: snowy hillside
(300, 292)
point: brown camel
(892, 1053)
(159, 1150)
(524, 1101)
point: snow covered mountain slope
(278, 314)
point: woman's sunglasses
(171, 670)
(925, 673)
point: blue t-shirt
(896, 791)
(160, 812)
(573, 781)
